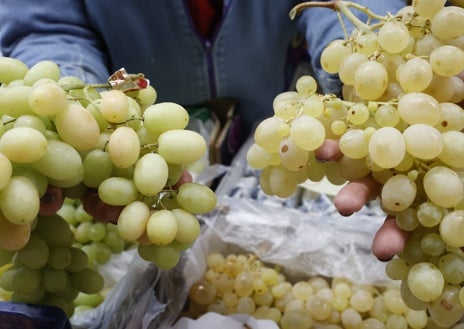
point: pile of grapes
(399, 121)
(241, 283)
(120, 156)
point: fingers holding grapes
(389, 240)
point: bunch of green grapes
(243, 284)
(399, 121)
(120, 156)
(99, 240)
(49, 269)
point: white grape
(387, 147)
(398, 193)
(393, 36)
(370, 80)
(423, 141)
(419, 107)
(443, 186)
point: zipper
(208, 45)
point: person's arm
(56, 30)
(320, 26)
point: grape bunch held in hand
(399, 122)
(109, 146)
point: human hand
(389, 239)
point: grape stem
(75, 86)
(342, 7)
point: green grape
(97, 232)
(67, 212)
(11, 69)
(6, 170)
(14, 101)
(60, 162)
(348, 67)
(164, 257)
(202, 292)
(27, 120)
(54, 230)
(114, 106)
(30, 298)
(287, 105)
(161, 117)
(387, 147)
(81, 232)
(443, 186)
(179, 146)
(47, 99)
(270, 132)
(59, 258)
(453, 142)
(452, 266)
(425, 281)
(162, 227)
(124, 147)
(87, 280)
(103, 124)
(35, 253)
(188, 226)
(42, 70)
(393, 36)
(427, 8)
(117, 191)
(79, 260)
(293, 158)
(196, 198)
(257, 157)
(333, 55)
(102, 252)
(13, 237)
(77, 127)
(296, 319)
(398, 193)
(307, 132)
(92, 300)
(447, 23)
(81, 215)
(151, 174)
(55, 281)
(447, 310)
(370, 80)
(26, 280)
(23, 144)
(146, 96)
(20, 190)
(132, 221)
(419, 107)
(97, 167)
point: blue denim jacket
(247, 58)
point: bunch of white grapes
(400, 122)
(111, 149)
(241, 283)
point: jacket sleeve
(55, 30)
(321, 26)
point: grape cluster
(108, 150)
(241, 283)
(99, 240)
(49, 269)
(399, 121)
